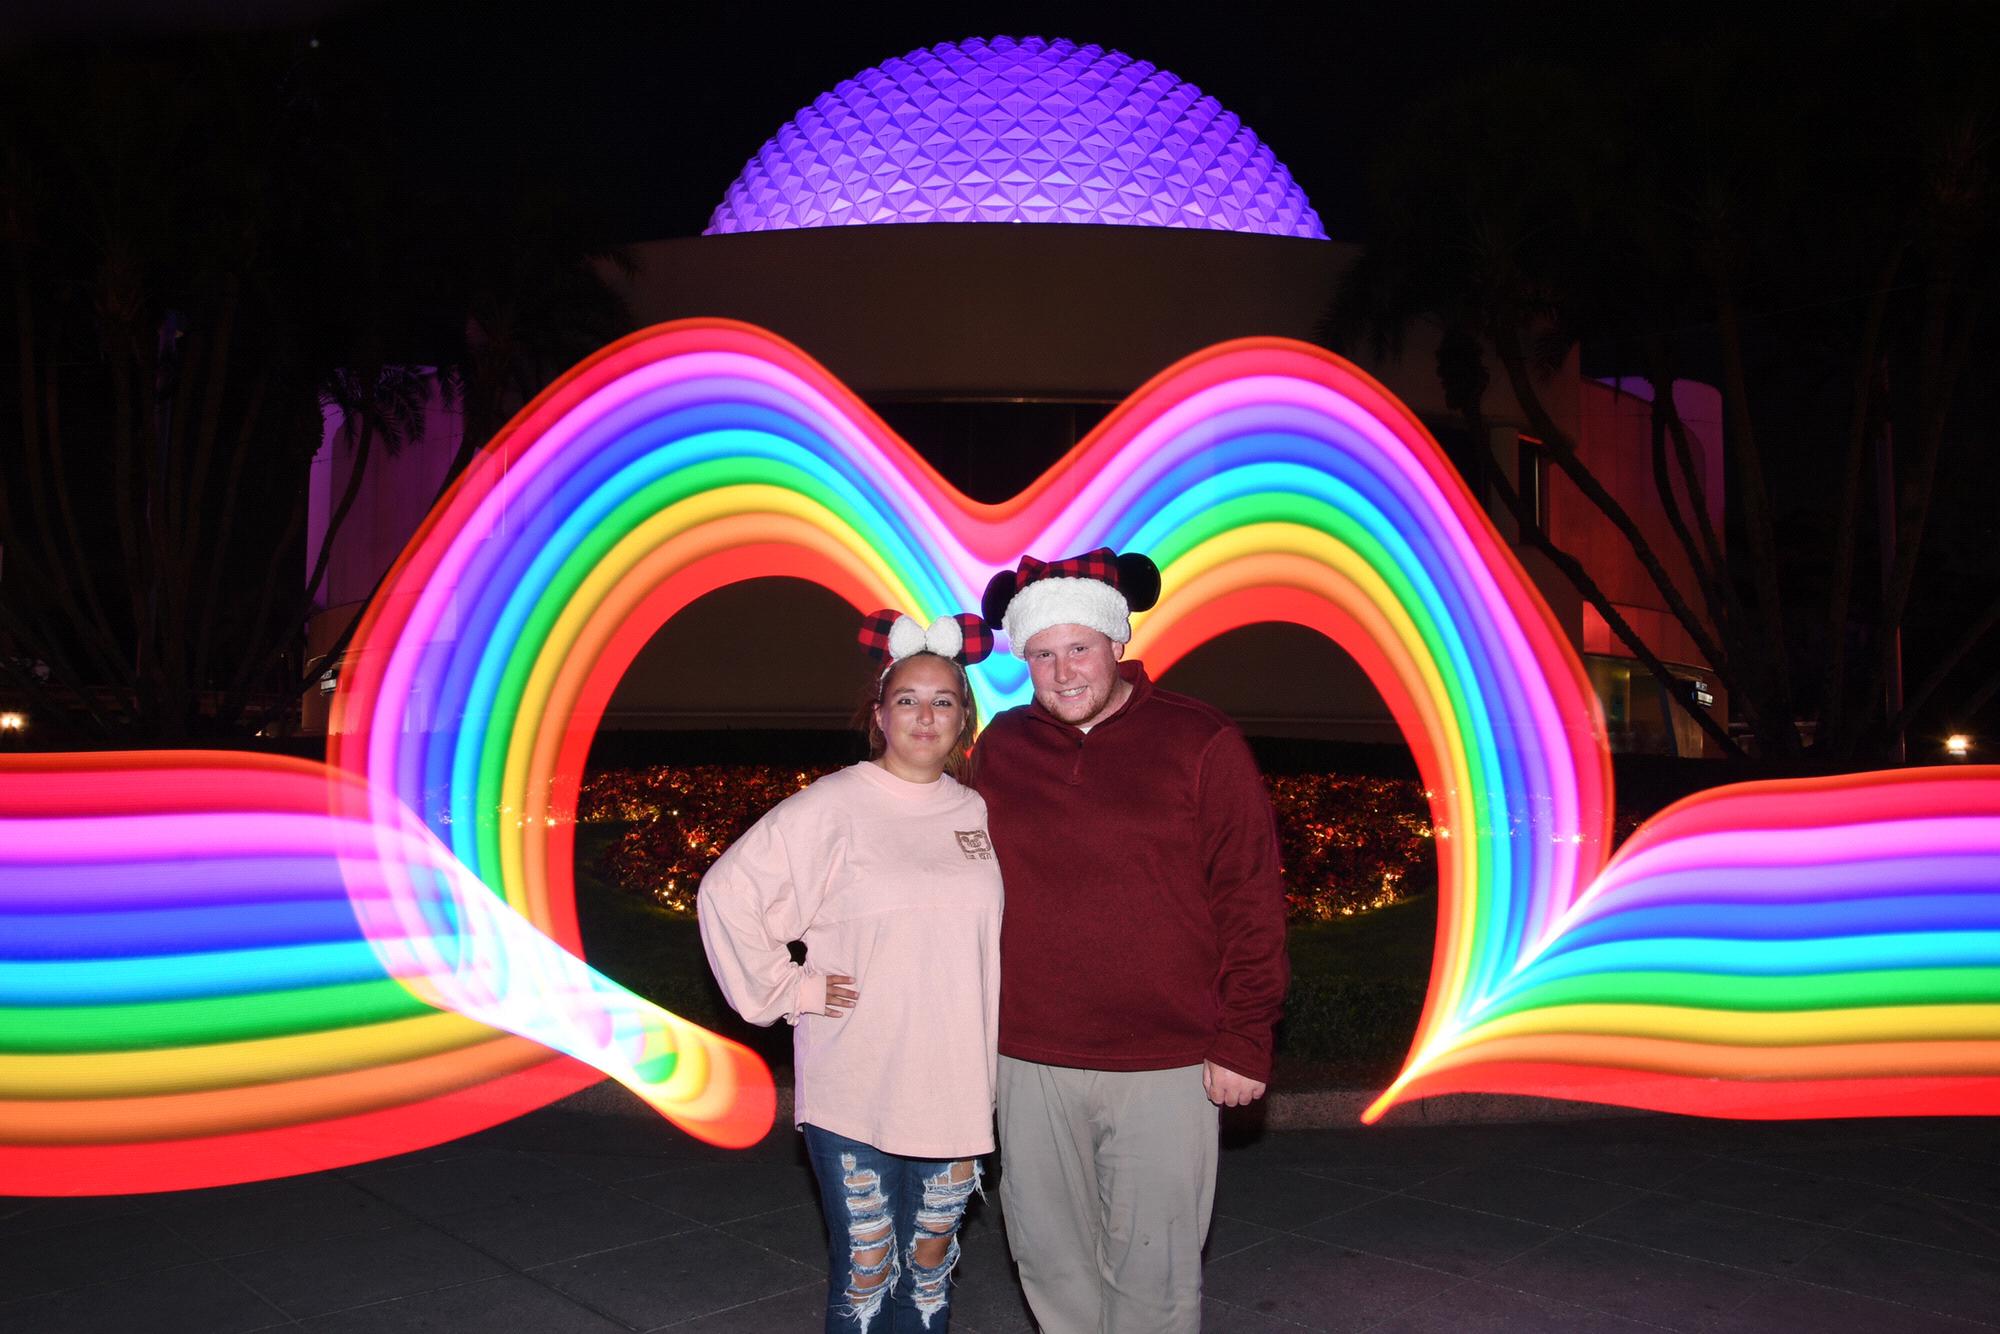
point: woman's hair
(877, 743)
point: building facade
(992, 244)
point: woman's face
(920, 715)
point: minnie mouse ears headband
(891, 636)
(1099, 589)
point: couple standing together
(1130, 992)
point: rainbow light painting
(189, 995)
(216, 967)
(1016, 131)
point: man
(1142, 952)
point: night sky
(648, 111)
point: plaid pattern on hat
(878, 627)
(1099, 590)
(1101, 565)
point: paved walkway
(593, 1217)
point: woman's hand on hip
(841, 994)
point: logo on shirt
(975, 845)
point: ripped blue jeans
(886, 1215)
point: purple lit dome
(1016, 131)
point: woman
(885, 871)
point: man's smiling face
(1075, 671)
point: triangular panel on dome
(1069, 133)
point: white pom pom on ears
(905, 637)
(946, 637)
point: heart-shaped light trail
(1270, 481)
(185, 1004)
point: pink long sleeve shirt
(894, 884)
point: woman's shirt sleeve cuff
(810, 998)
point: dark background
(648, 111)
(636, 117)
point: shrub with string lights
(1350, 843)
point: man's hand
(1226, 1088)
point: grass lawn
(1357, 983)
(1357, 989)
(657, 953)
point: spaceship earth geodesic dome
(1000, 130)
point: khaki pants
(1107, 1181)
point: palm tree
(1704, 214)
(205, 250)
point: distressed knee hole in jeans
(934, 1248)
(871, 1245)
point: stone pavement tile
(985, 1220)
(1422, 1232)
(608, 1118)
(1227, 1235)
(1537, 1143)
(1742, 1184)
(235, 1220)
(1704, 1231)
(797, 1233)
(172, 1301)
(476, 1181)
(1857, 1157)
(676, 1278)
(1531, 1194)
(724, 1192)
(1741, 1137)
(1786, 1304)
(1310, 1283)
(1947, 1282)
(1386, 1160)
(616, 1168)
(799, 1309)
(1381, 1177)
(1282, 1197)
(509, 1304)
(333, 1273)
(34, 1213)
(468, 1146)
(636, 1143)
(1222, 1318)
(1934, 1220)
(1644, 1161)
(1284, 1146)
(986, 1296)
(1482, 1308)
(1964, 1179)
(1628, 1281)
(562, 1226)
(67, 1257)
(1967, 1137)
(1721, 1138)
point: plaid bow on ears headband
(891, 636)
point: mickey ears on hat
(891, 636)
(1134, 575)
(999, 592)
(1138, 580)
